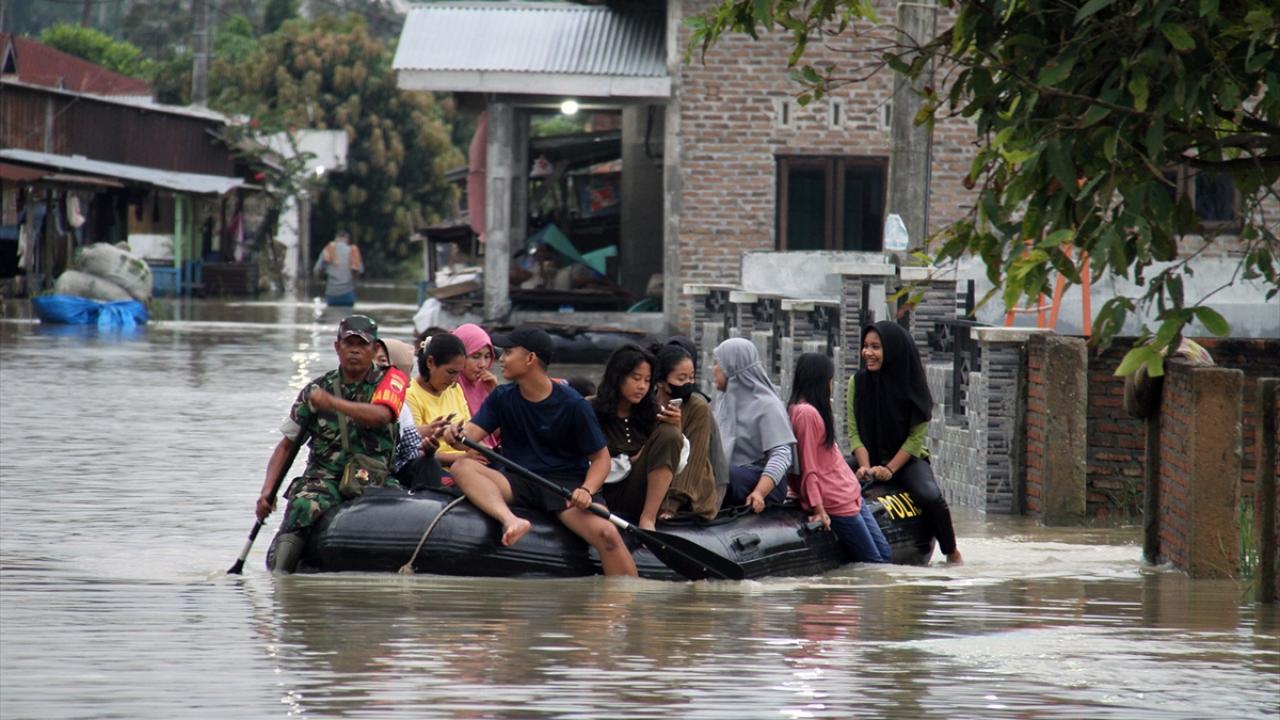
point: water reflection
(128, 469)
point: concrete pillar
(1200, 457)
(909, 160)
(1061, 400)
(640, 252)
(995, 410)
(500, 176)
(936, 289)
(741, 309)
(1267, 493)
(764, 341)
(672, 202)
(854, 278)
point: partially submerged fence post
(1200, 438)
(1267, 493)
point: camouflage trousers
(310, 499)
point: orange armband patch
(391, 390)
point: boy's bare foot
(647, 525)
(955, 559)
(513, 531)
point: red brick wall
(730, 141)
(1036, 422)
(1116, 451)
(1116, 442)
(1175, 466)
(1256, 359)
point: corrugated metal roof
(555, 38)
(40, 64)
(168, 179)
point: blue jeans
(742, 481)
(346, 299)
(861, 537)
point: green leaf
(1138, 88)
(1155, 140)
(763, 11)
(1060, 165)
(1109, 146)
(1208, 7)
(1056, 71)
(1090, 8)
(1095, 113)
(1178, 37)
(1212, 321)
(1135, 358)
(1155, 365)
(1258, 20)
(1058, 238)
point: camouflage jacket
(326, 459)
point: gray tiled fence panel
(1002, 368)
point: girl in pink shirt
(826, 485)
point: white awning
(194, 183)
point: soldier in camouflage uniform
(370, 397)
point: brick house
(726, 179)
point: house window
(836, 114)
(1213, 195)
(831, 203)
(782, 113)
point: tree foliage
(332, 74)
(1086, 112)
(97, 47)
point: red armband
(390, 392)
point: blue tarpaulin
(75, 310)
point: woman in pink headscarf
(477, 380)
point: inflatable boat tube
(379, 532)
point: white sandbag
(118, 266)
(82, 284)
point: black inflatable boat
(379, 532)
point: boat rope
(407, 568)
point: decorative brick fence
(1026, 421)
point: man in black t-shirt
(550, 429)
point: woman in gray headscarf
(754, 427)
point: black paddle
(238, 567)
(684, 556)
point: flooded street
(129, 466)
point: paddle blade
(687, 557)
(237, 569)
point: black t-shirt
(553, 437)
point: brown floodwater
(129, 465)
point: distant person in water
(340, 262)
(888, 412)
(548, 428)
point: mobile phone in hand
(675, 403)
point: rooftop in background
(35, 63)
(526, 48)
(194, 183)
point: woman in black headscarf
(888, 416)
